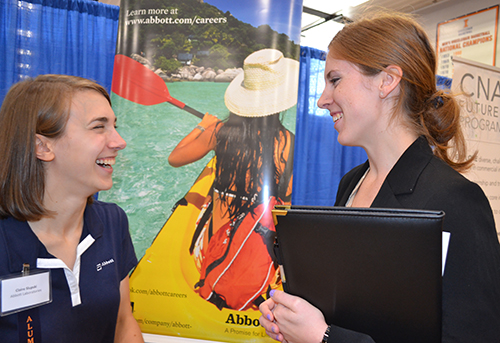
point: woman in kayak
(253, 151)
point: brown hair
(382, 39)
(34, 106)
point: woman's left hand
(197, 144)
(208, 120)
(127, 329)
(291, 319)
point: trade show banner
(472, 36)
(479, 86)
(205, 94)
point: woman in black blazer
(381, 93)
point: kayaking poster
(205, 93)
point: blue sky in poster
(282, 15)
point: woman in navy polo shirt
(59, 144)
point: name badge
(25, 290)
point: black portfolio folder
(375, 271)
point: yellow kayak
(162, 285)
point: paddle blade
(137, 83)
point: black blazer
(471, 281)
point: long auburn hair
(247, 172)
(33, 106)
(382, 39)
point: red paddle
(139, 84)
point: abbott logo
(99, 266)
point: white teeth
(106, 163)
(337, 116)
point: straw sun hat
(268, 85)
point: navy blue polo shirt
(90, 314)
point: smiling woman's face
(353, 100)
(84, 155)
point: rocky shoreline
(192, 73)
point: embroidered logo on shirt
(99, 266)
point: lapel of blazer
(403, 177)
(346, 189)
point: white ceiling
(317, 32)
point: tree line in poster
(221, 46)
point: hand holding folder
(374, 271)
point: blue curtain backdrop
(443, 82)
(319, 160)
(56, 37)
